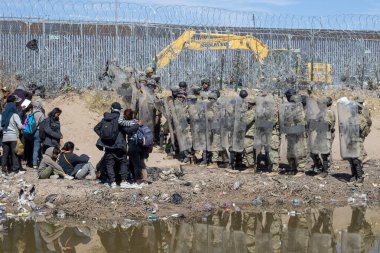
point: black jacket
(120, 142)
(69, 162)
(53, 133)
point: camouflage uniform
(249, 159)
(367, 115)
(332, 118)
(297, 143)
(328, 117)
(357, 163)
(274, 153)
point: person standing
(11, 124)
(52, 130)
(39, 116)
(112, 139)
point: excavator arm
(205, 41)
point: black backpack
(109, 130)
(42, 130)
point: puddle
(341, 230)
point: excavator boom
(205, 41)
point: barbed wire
(124, 12)
(77, 38)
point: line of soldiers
(244, 131)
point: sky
(296, 14)
(296, 7)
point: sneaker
(11, 174)
(323, 174)
(360, 180)
(21, 172)
(113, 185)
(68, 177)
(54, 177)
(353, 179)
(35, 167)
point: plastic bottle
(134, 198)
(295, 202)
(152, 218)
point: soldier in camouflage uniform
(297, 145)
(321, 161)
(367, 115)
(211, 157)
(236, 158)
(364, 129)
(129, 89)
(331, 115)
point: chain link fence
(51, 42)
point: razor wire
(76, 39)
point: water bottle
(152, 218)
(295, 202)
(134, 198)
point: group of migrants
(245, 131)
(30, 137)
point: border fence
(74, 40)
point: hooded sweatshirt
(47, 161)
(39, 116)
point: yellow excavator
(192, 40)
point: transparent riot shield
(348, 129)
(318, 127)
(147, 110)
(264, 122)
(240, 125)
(213, 126)
(169, 119)
(292, 124)
(182, 127)
(197, 115)
(228, 122)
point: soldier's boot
(326, 165)
(353, 172)
(239, 161)
(325, 169)
(293, 166)
(317, 164)
(204, 159)
(359, 171)
(233, 160)
(187, 156)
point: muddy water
(347, 229)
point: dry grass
(100, 101)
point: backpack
(30, 125)
(42, 130)
(109, 131)
(146, 136)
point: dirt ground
(202, 189)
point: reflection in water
(238, 232)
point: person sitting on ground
(49, 168)
(74, 165)
(52, 129)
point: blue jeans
(37, 152)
